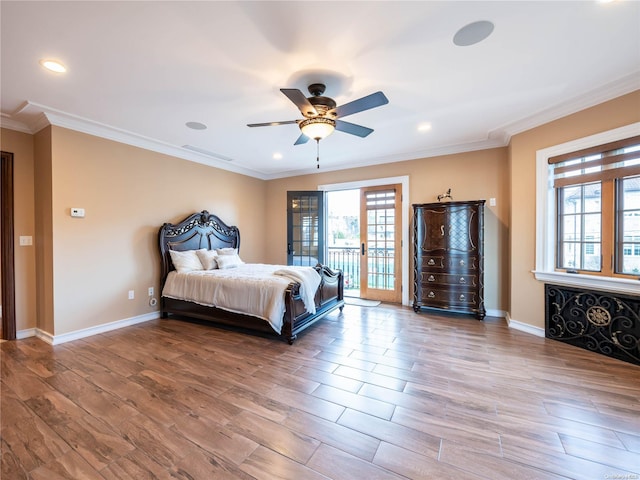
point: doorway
(7, 247)
(364, 227)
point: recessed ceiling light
(53, 66)
(424, 127)
(473, 33)
(277, 156)
(196, 125)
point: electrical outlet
(151, 291)
(492, 202)
(132, 294)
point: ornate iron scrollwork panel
(603, 322)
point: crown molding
(31, 117)
(609, 91)
(11, 124)
(453, 149)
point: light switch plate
(25, 240)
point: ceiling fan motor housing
(321, 104)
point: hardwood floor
(372, 393)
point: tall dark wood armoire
(449, 257)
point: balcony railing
(347, 259)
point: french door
(305, 228)
(381, 243)
(379, 259)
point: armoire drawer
(448, 279)
(449, 263)
(449, 297)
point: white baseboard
(26, 333)
(107, 327)
(524, 327)
(496, 313)
(85, 332)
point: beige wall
(44, 231)
(471, 176)
(85, 267)
(127, 194)
(527, 294)
(22, 147)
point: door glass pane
(380, 239)
(304, 228)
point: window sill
(612, 284)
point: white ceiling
(138, 71)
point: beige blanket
(251, 289)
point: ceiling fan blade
(297, 97)
(271, 124)
(365, 103)
(352, 128)
(302, 139)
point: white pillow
(185, 261)
(208, 258)
(229, 261)
(227, 251)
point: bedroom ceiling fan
(322, 116)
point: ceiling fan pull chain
(318, 152)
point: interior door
(305, 228)
(381, 243)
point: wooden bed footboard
(329, 296)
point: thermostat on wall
(77, 212)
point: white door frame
(404, 180)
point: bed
(206, 232)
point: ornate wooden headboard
(200, 230)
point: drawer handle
(431, 262)
(461, 297)
(462, 280)
(442, 230)
(462, 263)
(431, 295)
(431, 278)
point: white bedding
(252, 289)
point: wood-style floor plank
(369, 393)
(413, 465)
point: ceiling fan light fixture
(317, 127)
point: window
(597, 205)
(579, 220)
(546, 233)
(628, 219)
